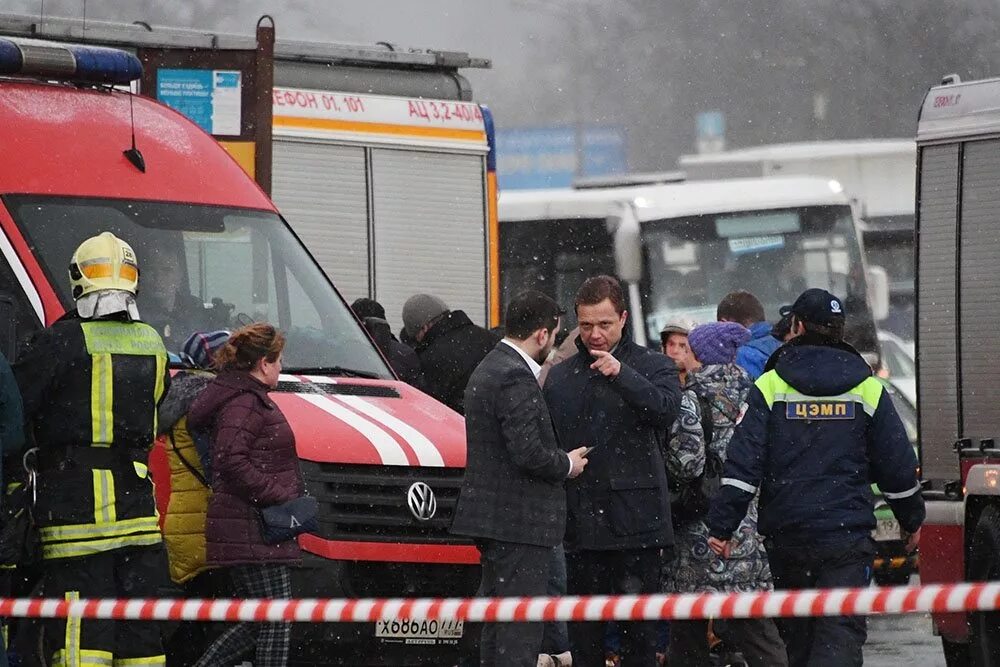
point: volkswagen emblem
(423, 504)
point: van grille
(368, 503)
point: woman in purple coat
(254, 466)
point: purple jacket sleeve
(237, 427)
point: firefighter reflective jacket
(91, 391)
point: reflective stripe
(128, 272)
(742, 486)
(94, 270)
(132, 338)
(72, 645)
(102, 658)
(154, 660)
(101, 395)
(775, 389)
(91, 530)
(871, 392)
(104, 339)
(769, 383)
(104, 497)
(161, 369)
(902, 494)
(78, 549)
(87, 657)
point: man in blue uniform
(817, 431)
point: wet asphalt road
(902, 641)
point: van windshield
(204, 268)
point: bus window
(693, 262)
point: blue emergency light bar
(76, 63)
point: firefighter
(91, 384)
(817, 431)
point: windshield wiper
(334, 370)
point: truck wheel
(984, 565)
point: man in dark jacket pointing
(512, 499)
(620, 399)
(817, 431)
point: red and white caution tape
(828, 602)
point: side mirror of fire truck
(878, 292)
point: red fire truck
(958, 280)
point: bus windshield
(203, 268)
(692, 262)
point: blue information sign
(189, 91)
(210, 98)
(545, 157)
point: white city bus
(682, 247)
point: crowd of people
(738, 457)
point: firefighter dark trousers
(131, 572)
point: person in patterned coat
(714, 396)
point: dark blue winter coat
(753, 356)
(621, 500)
(818, 430)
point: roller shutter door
(322, 191)
(430, 230)
(938, 394)
(979, 287)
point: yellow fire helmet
(103, 262)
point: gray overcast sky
(496, 29)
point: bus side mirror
(628, 247)
(8, 328)
(878, 292)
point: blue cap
(819, 307)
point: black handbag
(288, 520)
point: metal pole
(577, 85)
(264, 84)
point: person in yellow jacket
(91, 384)
(190, 484)
(183, 520)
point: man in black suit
(512, 500)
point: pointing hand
(606, 364)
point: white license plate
(886, 530)
(419, 631)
